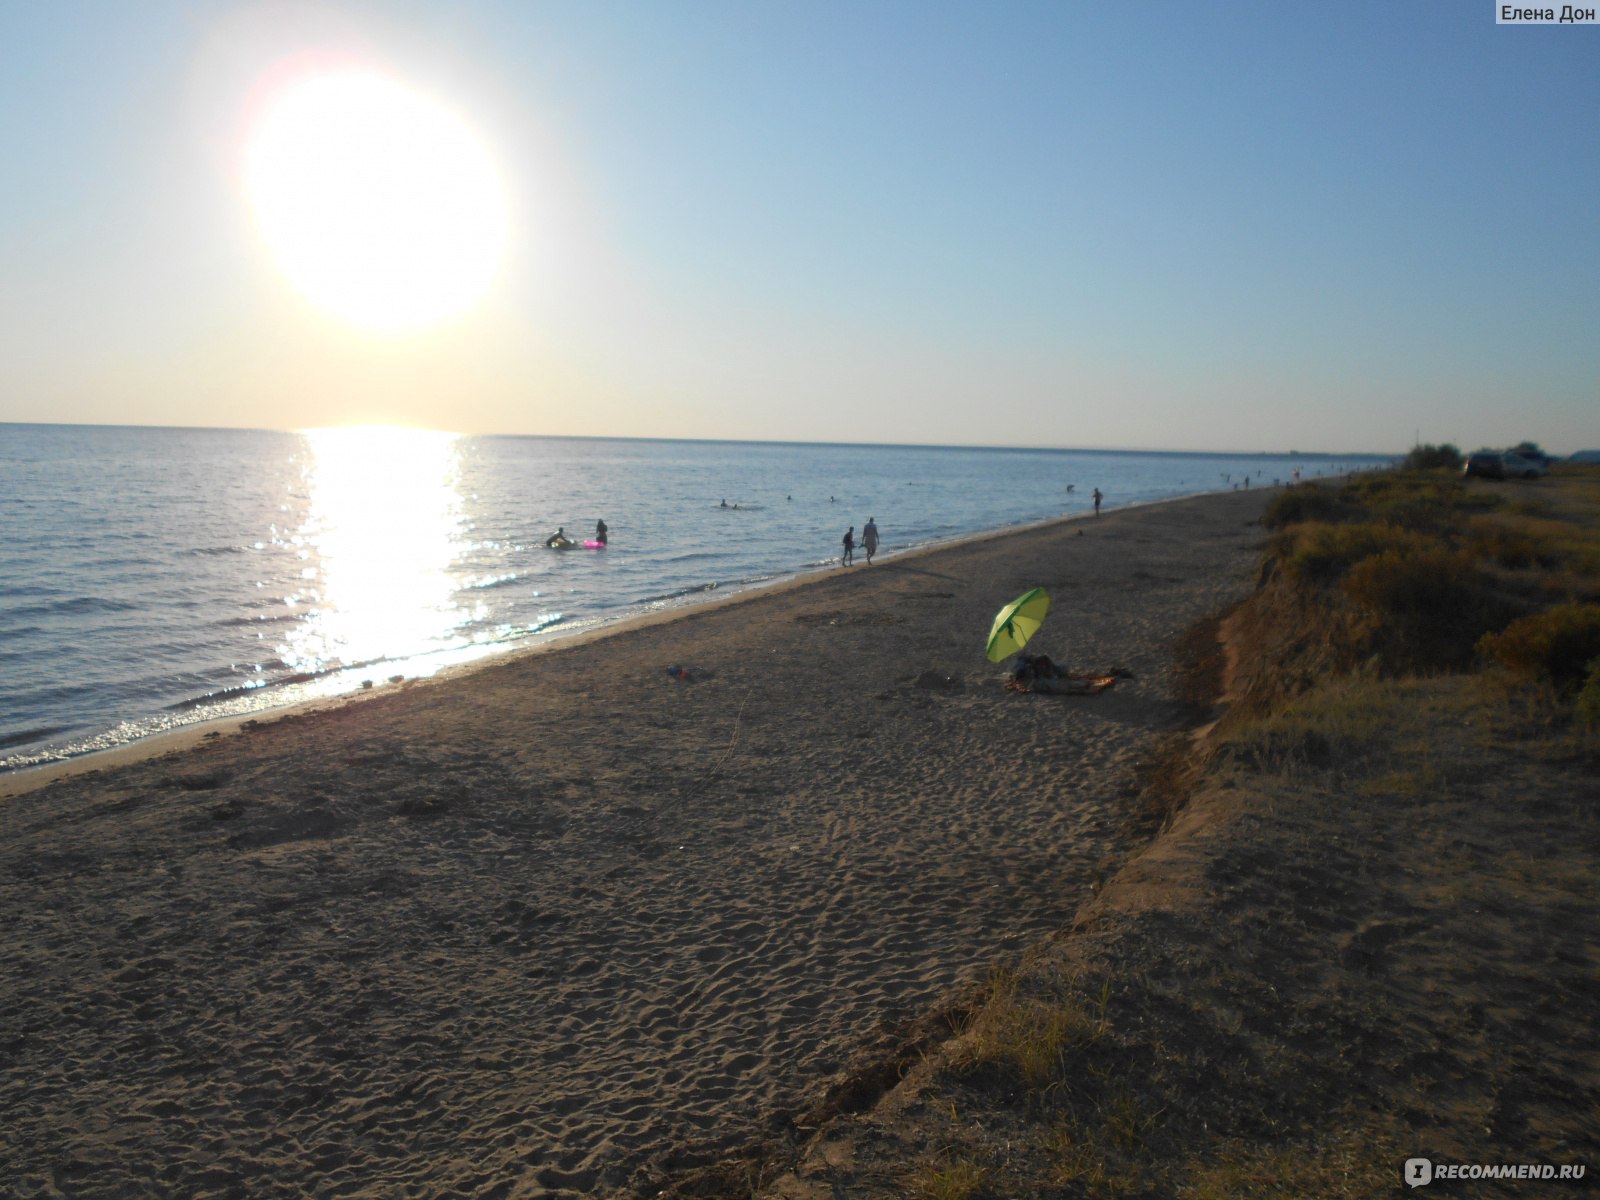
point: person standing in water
(1097, 498)
(600, 532)
(848, 557)
(869, 538)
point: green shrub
(1424, 502)
(1384, 486)
(1423, 513)
(1589, 697)
(1427, 607)
(1557, 646)
(1323, 553)
(1505, 544)
(1430, 458)
(1530, 506)
(1525, 541)
(1310, 502)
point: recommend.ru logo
(1421, 1171)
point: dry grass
(1341, 1170)
(950, 1179)
(1034, 1034)
(1330, 734)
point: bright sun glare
(381, 540)
(379, 204)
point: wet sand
(521, 931)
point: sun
(379, 203)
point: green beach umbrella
(1016, 623)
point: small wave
(73, 606)
(259, 619)
(56, 693)
(222, 695)
(752, 580)
(493, 581)
(540, 624)
(38, 734)
(27, 589)
(210, 550)
(680, 593)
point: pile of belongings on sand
(1036, 673)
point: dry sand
(523, 931)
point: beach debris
(937, 681)
(689, 674)
(1016, 623)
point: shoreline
(21, 780)
(539, 923)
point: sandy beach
(527, 930)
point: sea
(152, 578)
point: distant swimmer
(869, 538)
(724, 504)
(1097, 498)
(600, 532)
(1070, 486)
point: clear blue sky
(1157, 225)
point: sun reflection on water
(384, 529)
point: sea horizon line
(1376, 455)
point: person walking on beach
(848, 557)
(1097, 498)
(600, 532)
(869, 538)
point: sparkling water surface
(151, 578)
